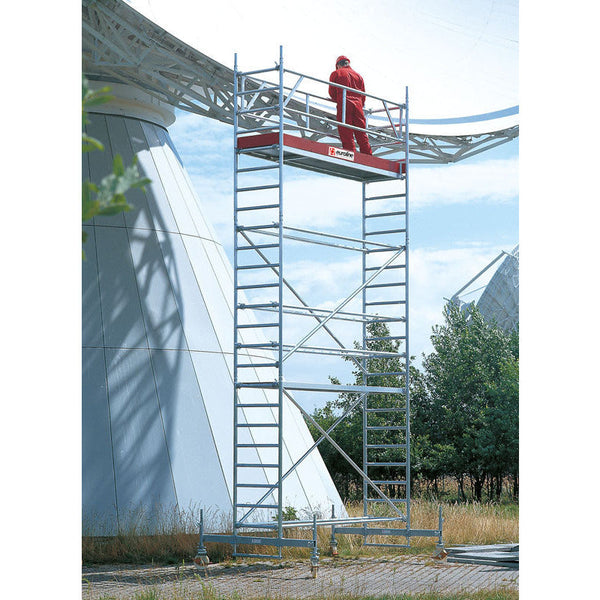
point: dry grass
(209, 594)
(466, 523)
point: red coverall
(354, 108)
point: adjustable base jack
(201, 559)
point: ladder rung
(256, 188)
(388, 464)
(383, 231)
(387, 337)
(388, 320)
(264, 168)
(258, 465)
(254, 227)
(257, 247)
(386, 285)
(247, 111)
(257, 207)
(258, 92)
(243, 306)
(263, 345)
(256, 286)
(265, 128)
(252, 425)
(395, 500)
(380, 410)
(257, 505)
(382, 446)
(260, 266)
(386, 427)
(256, 405)
(388, 373)
(386, 214)
(256, 485)
(266, 385)
(390, 267)
(385, 197)
(390, 249)
(258, 445)
(387, 302)
(257, 325)
(257, 365)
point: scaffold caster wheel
(334, 550)
(201, 560)
(440, 553)
(314, 570)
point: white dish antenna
(497, 298)
(153, 45)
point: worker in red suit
(344, 74)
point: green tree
(466, 413)
(348, 433)
(107, 197)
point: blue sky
(462, 216)
(458, 59)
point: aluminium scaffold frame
(258, 501)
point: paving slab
(356, 577)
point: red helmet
(340, 59)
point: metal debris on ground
(500, 555)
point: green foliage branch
(108, 197)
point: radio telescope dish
(499, 300)
(159, 47)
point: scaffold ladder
(386, 418)
(258, 388)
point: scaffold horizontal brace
(391, 532)
(357, 389)
(257, 541)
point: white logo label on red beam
(340, 153)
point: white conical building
(157, 344)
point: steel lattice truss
(121, 45)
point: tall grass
(208, 593)
(177, 540)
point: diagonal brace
(342, 304)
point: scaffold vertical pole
(407, 312)
(235, 303)
(280, 310)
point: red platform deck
(322, 158)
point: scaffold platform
(322, 158)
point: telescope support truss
(260, 288)
(121, 45)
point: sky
(457, 59)
(461, 217)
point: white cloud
(458, 58)
(492, 181)
(435, 274)
(327, 203)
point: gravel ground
(292, 579)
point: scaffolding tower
(267, 308)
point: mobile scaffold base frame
(266, 133)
